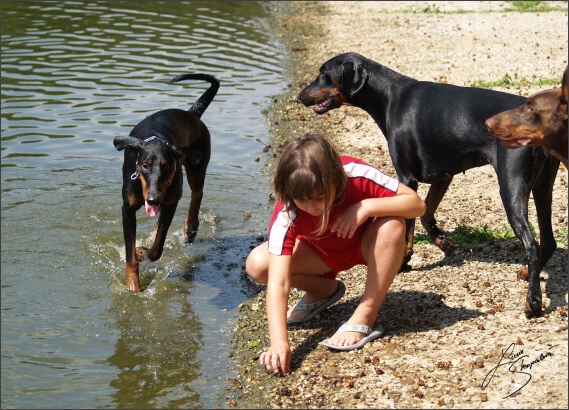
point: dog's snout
(153, 200)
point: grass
(468, 236)
(530, 6)
(507, 82)
(511, 6)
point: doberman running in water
(154, 153)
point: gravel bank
(449, 319)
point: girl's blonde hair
(310, 166)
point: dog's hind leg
(432, 201)
(195, 175)
(543, 197)
(515, 196)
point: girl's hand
(277, 358)
(348, 221)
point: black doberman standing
(435, 131)
(152, 172)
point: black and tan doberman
(435, 131)
(154, 153)
(541, 122)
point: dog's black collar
(156, 137)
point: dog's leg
(543, 195)
(129, 231)
(165, 220)
(409, 234)
(515, 196)
(408, 251)
(195, 174)
(543, 198)
(191, 223)
(432, 201)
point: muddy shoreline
(450, 319)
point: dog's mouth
(151, 210)
(323, 105)
(523, 142)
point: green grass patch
(507, 82)
(530, 6)
(510, 6)
(469, 236)
(253, 344)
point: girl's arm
(278, 356)
(405, 204)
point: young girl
(332, 213)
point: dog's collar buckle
(135, 173)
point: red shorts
(338, 261)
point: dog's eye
(144, 167)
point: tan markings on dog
(132, 276)
(523, 131)
(144, 186)
(134, 201)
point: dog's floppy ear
(123, 142)
(194, 155)
(563, 98)
(354, 77)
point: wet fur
(154, 153)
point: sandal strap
(365, 329)
(311, 306)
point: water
(75, 75)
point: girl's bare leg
(307, 274)
(382, 247)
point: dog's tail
(203, 102)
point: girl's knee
(390, 230)
(257, 264)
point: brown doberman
(541, 121)
(435, 131)
(154, 153)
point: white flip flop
(370, 335)
(318, 307)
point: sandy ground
(456, 335)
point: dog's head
(156, 164)
(340, 79)
(540, 121)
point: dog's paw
(140, 253)
(190, 236)
(445, 244)
(405, 267)
(533, 307)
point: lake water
(75, 75)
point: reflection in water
(155, 353)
